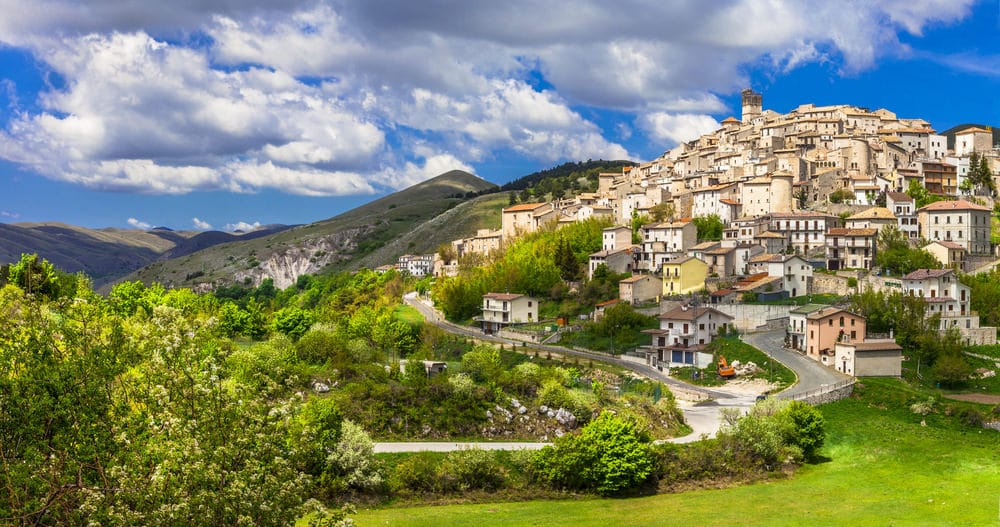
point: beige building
(503, 309)
(973, 140)
(873, 218)
(869, 358)
(950, 254)
(639, 288)
(850, 248)
(959, 221)
(526, 217)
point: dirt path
(981, 398)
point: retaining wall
(829, 284)
(752, 317)
(827, 394)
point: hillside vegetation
(374, 233)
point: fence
(825, 394)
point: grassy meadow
(883, 465)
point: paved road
(702, 417)
(431, 315)
(812, 375)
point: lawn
(883, 468)
(409, 314)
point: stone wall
(752, 317)
(982, 336)
(826, 394)
(828, 284)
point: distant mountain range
(108, 254)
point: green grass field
(408, 314)
(882, 467)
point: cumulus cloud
(677, 128)
(332, 97)
(139, 224)
(242, 226)
(201, 225)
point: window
(529, 303)
(831, 322)
(701, 326)
(841, 321)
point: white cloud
(677, 128)
(139, 224)
(434, 165)
(8, 214)
(201, 225)
(242, 226)
(331, 97)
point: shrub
(808, 429)
(418, 472)
(610, 455)
(482, 363)
(351, 464)
(475, 469)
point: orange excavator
(725, 370)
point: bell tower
(753, 104)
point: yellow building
(684, 275)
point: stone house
(526, 217)
(959, 221)
(850, 248)
(950, 254)
(639, 288)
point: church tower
(753, 105)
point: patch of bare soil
(981, 398)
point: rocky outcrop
(285, 264)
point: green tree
(610, 455)
(565, 260)
(293, 321)
(709, 227)
(894, 254)
(34, 275)
(662, 212)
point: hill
(416, 219)
(105, 255)
(571, 170)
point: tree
(893, 253)
(802, 198)
(34, 275)
(709, 227)
(663, 212)
(565, 260)
(447, 252)
(980, 175)
(610, 455)
(293, 321)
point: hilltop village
(804, 200)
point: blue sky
(206, 115)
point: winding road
(703, 417)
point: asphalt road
(431, 315)
(702, 417)
(812, 375)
